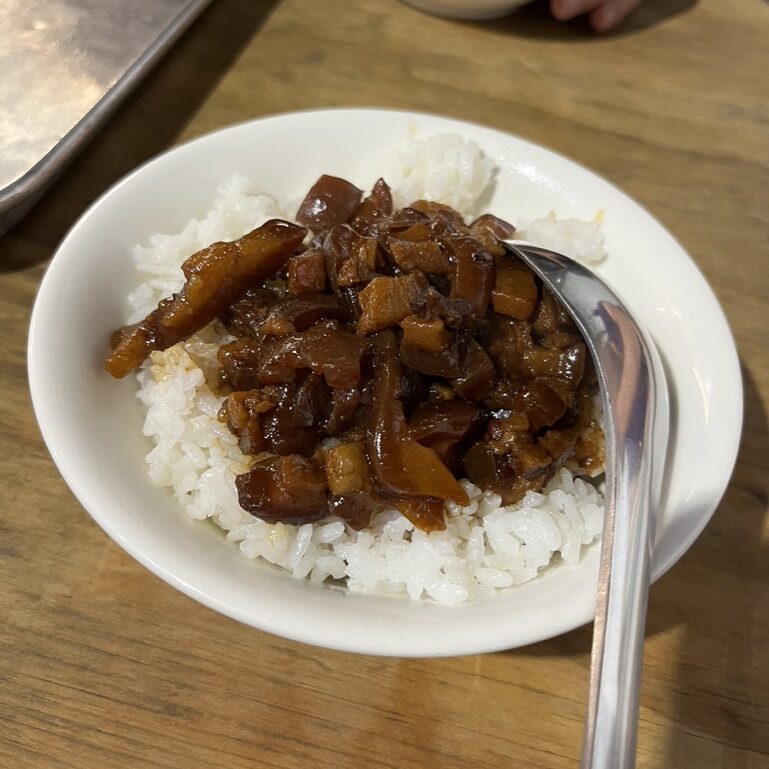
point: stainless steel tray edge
(19, 196)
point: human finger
(563, 10)
(610, 13)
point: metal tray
(65, 65)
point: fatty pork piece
(215, 277)
(330, 201)
(324, 349)
(263, 312)
(401, 465)
(290, 489)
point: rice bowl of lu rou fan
(353, 421)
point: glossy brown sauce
(411, 338)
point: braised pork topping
(416, 342)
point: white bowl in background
(468, 10)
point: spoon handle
(635, 423)
(618, 632)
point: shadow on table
(535, 21)
(722, 663)
(710, 603)
(146, 124)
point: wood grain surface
(102, 665)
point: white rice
(442, 168)
(574, 237)
(485, 548)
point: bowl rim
(574, 615)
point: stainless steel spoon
(636, 423)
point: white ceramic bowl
(468, 10)
(92, 423)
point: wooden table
(103, 665)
